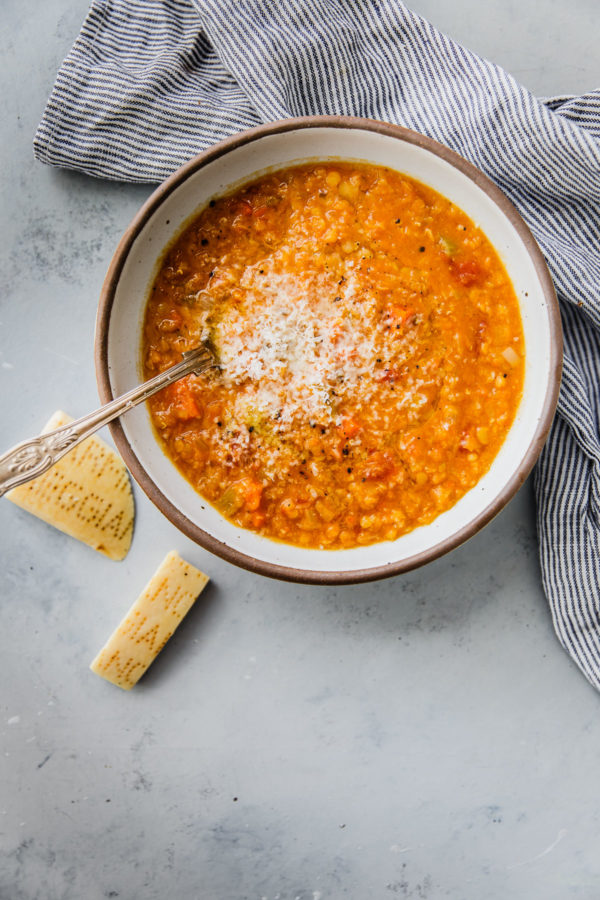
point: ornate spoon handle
(31, 458)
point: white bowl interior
(275, 151)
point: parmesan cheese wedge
(87, 495)
(150, 622)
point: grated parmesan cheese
(294, 346)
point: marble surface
(423, 737)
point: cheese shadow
(188, 638)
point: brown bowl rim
(290, 573)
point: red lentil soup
(371, 348)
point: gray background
(422, 737)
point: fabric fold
(141, 92)
(147, 86)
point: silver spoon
(33, 457)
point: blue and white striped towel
(148, 85)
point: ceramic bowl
(239, 159)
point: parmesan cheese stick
(150, 622)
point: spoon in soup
(31, 458)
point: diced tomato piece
(386, 374)
(379, 464)
(349, 427)
(260, 211)
(398, 315)
(468, 271)
(245, 208)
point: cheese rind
(86, 495)
(150, 622)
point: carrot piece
(183, 401)
(252, 494)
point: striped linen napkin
(148, 85)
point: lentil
(379, 352)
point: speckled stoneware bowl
(227, 165)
